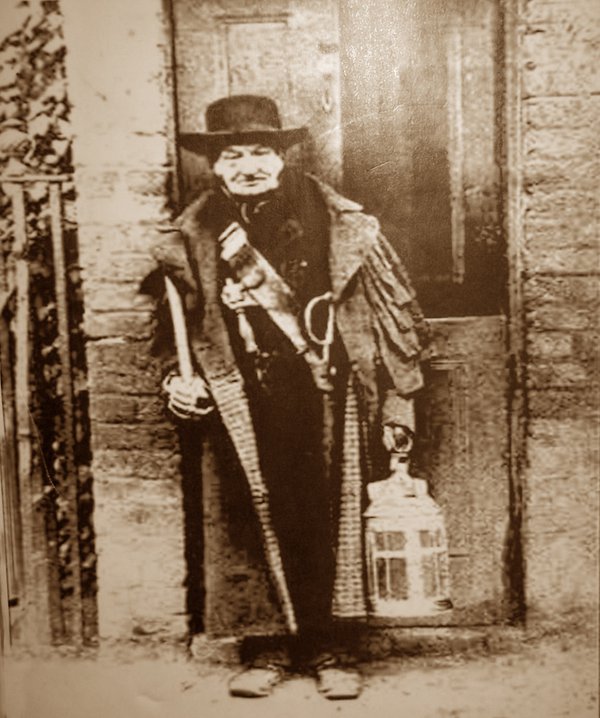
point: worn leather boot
(256, 681)
(336, 681)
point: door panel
(287, 50)
(462, 423)
(421, 138)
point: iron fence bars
(50, 604)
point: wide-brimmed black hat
(239, 120)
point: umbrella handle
(327, 340)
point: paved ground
(551, 679)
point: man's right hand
(187, 399)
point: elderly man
(305, 340)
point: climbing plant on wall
(35, 156)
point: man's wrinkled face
(249, 169)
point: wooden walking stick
(184, 356)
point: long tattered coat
(382, 330)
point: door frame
(511, 162)
(510, 156)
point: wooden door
(422, 145)
(401, 104)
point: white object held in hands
(187, 398)
(188, 393)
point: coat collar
(353, 233)
(334, 200)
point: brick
(560, 259)
(98, 182)
(561, 303)
(549, 344)
(558, 232)
(106, 295)
(560, 447)
(144, 437)
(121, 207)
(138, 501)
(559, 359)
(560, 530)
(128, 324)
(149, 182)
(121, 100)
(566, 113)
(557, 374)
(122, 368)
(555, 81)
(141, 566)
(551, 316)
(561, 144)
(101, 263)
(117, 145)
(585, 344)
(554, 65)
(128, 409)
(567, 45)
(127, 243)
(551, 175)
(562, 571)
(582, 13)
(569, 292)
(570, 203)
(571, 39)
(571, 403)
(551, 514)
(133, 463)
(125, 86)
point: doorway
(404, 108)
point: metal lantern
(406, 547)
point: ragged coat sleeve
(171, 260)
(401, 333)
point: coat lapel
(212, 349)
(352, 234)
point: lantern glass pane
(398, 579)
(396, 541)
(429, 572)
(390, 541)
(442, 573)
(427, 539)
(382, 582)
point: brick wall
(118, 61)
(560, 123)
(119, 84)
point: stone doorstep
(377, 644)
(578, 625)
(382, 643)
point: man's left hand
(397, 438)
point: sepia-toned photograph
(299, 358)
